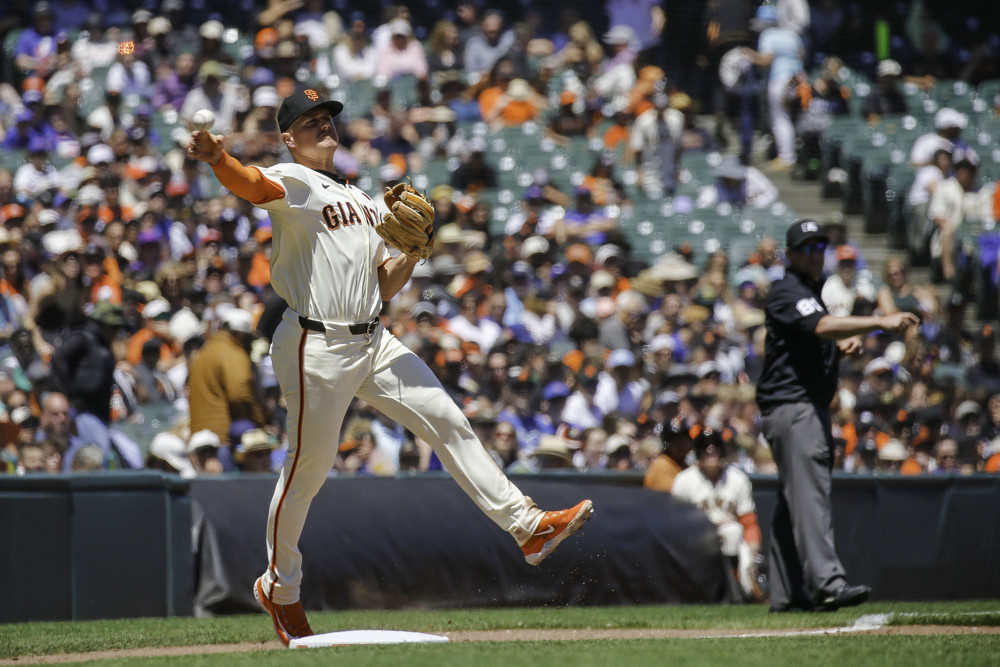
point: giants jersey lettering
(325, 251)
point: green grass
(35, 639)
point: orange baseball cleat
(289, 619)
(553, 529)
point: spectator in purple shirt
(171, 91)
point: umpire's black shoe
(845, 596)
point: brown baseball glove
(409, 225)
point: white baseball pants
(319, 374)
(781, 122)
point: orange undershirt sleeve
(246, 182)
(751, 529)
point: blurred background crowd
(607, 224)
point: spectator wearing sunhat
(253, 452)
(552, 453)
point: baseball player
(335, 270)
(724, 493)
(797, 384)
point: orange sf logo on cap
(312, 94)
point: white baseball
(203, 120)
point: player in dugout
(335, 271)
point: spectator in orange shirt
(993, 462)
(677, 445)
(509, 101)
(155, 319)
(260, 265)
(103, 287)
(618, 132)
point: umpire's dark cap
(302, 101)
(803, 231)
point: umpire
(797, 384)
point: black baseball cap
(803, 231)
(302, 101)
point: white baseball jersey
(325, 253)
(324, 263)
(723, 502)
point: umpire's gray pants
(803, 564)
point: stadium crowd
(135, 305)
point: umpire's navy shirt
(798, 364)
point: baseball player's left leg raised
(406, 390)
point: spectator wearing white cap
(886, 98)
(402, 55)
(955, 201)
(620, 389)
(221, 380)
(948, 126)
(203, 452)
(616, 79)
(168, 452)
(155, 327)
(262, 118)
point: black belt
(367, 328)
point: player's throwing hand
(206, 146)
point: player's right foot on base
(289, 619)
(553, 529)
